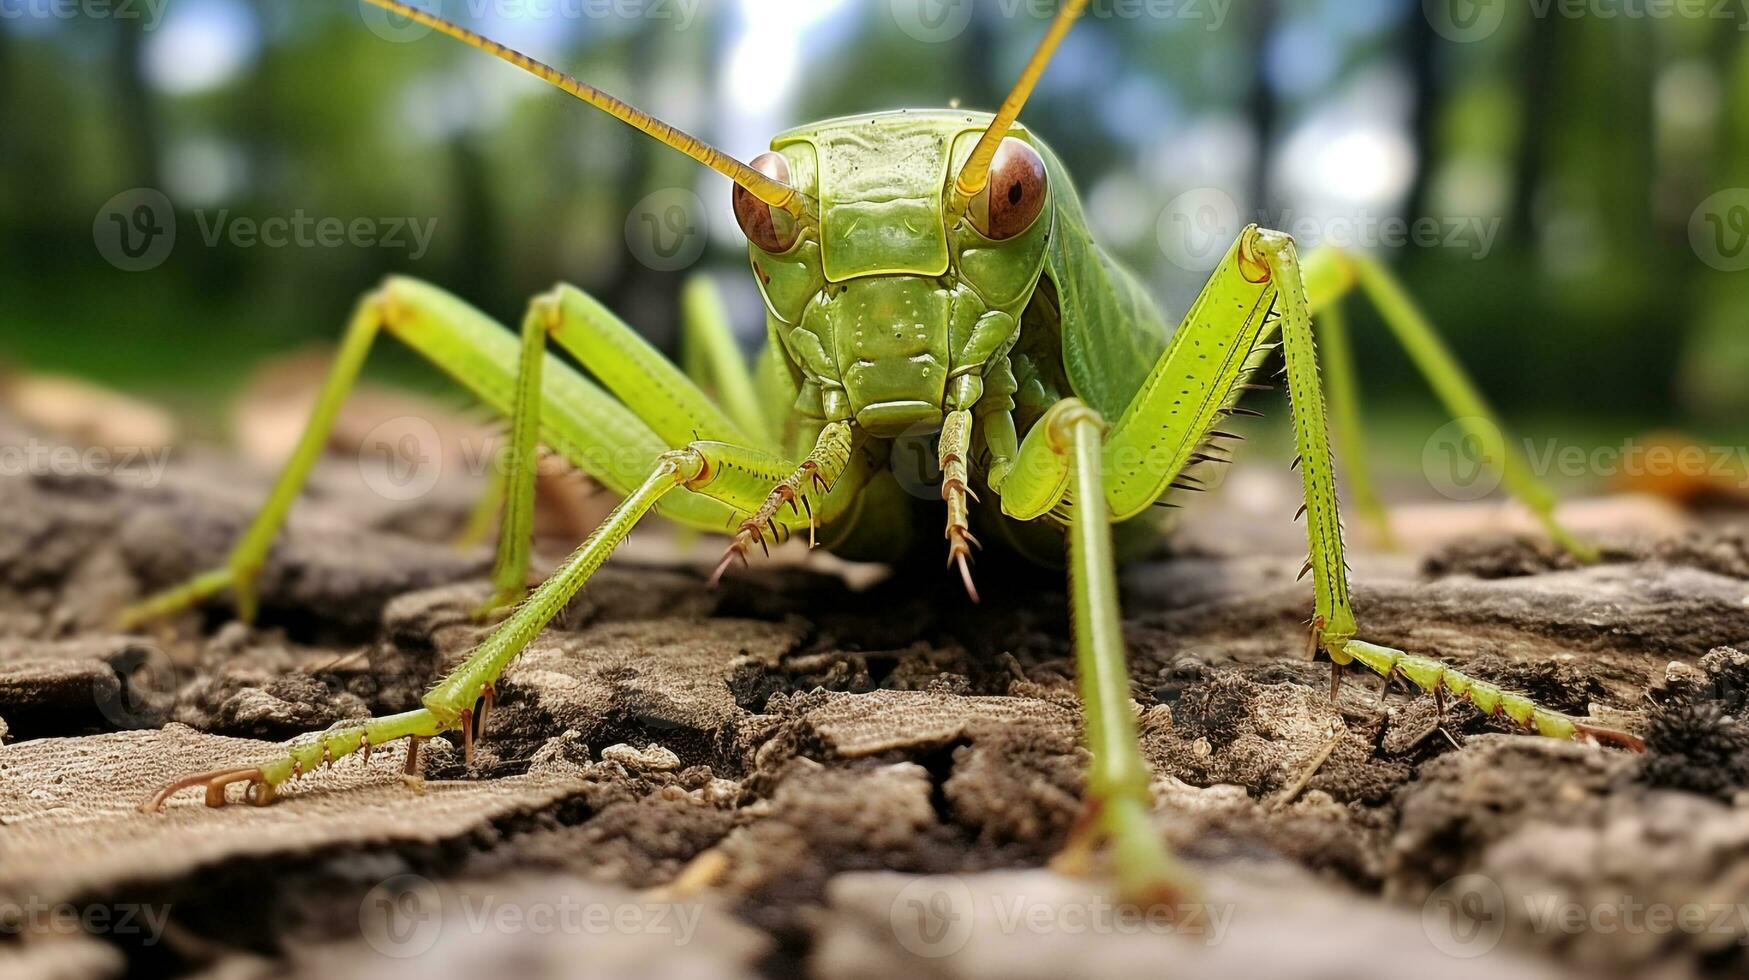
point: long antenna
(772, 192)
(976, 172)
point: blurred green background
(1600, 159)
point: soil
(872, 774)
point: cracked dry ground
(832, 743)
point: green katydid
(922, 271)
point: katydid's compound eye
(1015, 194)
(771, 232)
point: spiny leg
(1330, 274)
(1333, 617)
(1062, 459)
(460, 701)
(954, 446)
(802, 490)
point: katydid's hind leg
(1330, 273)
(243, 565)
(1333, 619)
(1345, 420)
(712, 357)
(517, 469)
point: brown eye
(1015, 194)
(771, 232)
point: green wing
(1112, 330)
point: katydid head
(904, 245)
(885, 278)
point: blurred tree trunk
(1261, 104)
(1419, 51)
(135, 120)
(1535, 88)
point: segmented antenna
(976, 172)
(772, 192)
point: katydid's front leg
(461, 700)
(1062, 460)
